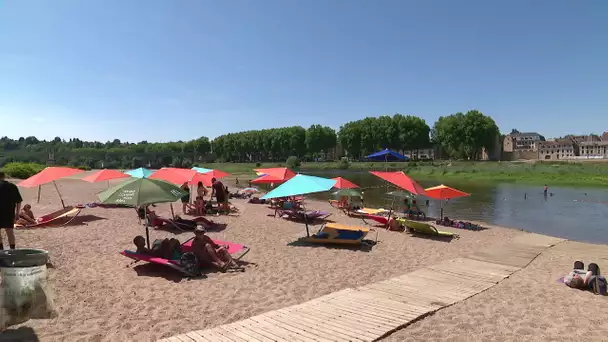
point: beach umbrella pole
(147, 235)
(172, 212)
(306, 224)
(59, 193)
(38, 201)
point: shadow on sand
(22, 334)
(364, 247)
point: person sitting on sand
(394, 224)
(26, 216)
(206, 250)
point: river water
(574, 213)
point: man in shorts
(10, 206)
(217, 189)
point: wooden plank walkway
(373, 311)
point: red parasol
(401, 180)
(342, 183)
(268, 179)
(48, 175)
(180, 176)
(104, 175)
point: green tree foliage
(460, 135)
(463, 136)
(95, 154)
(261, 145)
(319, 139)
(22, 170)
(399, 132)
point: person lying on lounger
(26, 216)
(169, 249)
(208, 251)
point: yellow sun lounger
(340, 234)
(372, 211)
(425, 228)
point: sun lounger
(237, 251)
(426, 229)
(69, 213)
(372, 211)
(301, 215)
(340, 234)
(377, 218)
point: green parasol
(401, 194)
(141, 191)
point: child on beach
(26, 216)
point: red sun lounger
(233, 249)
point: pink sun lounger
(233, 249)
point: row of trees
(458, 136)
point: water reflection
(573, 213)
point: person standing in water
(545, 190)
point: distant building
(605, 136)
(594, 149)
(522, 142)
(421, 153)
(557, 149)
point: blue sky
(161, 70)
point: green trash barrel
(25, 292)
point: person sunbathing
(206, 250)
(140, 244)
(169, 249)
(26, 216)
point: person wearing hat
(206, 250)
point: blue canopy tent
(387, 155)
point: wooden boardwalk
(373, 311)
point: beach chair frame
(70, 212)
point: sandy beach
(99, 298)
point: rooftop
(594, 143)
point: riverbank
(533, 173)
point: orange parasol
(342, 183)
(281, 173)
(48, 175)
(217, 174)
(401, 180)
(104, 175)
(443, 192)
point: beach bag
(598, 285)
(189, 262)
